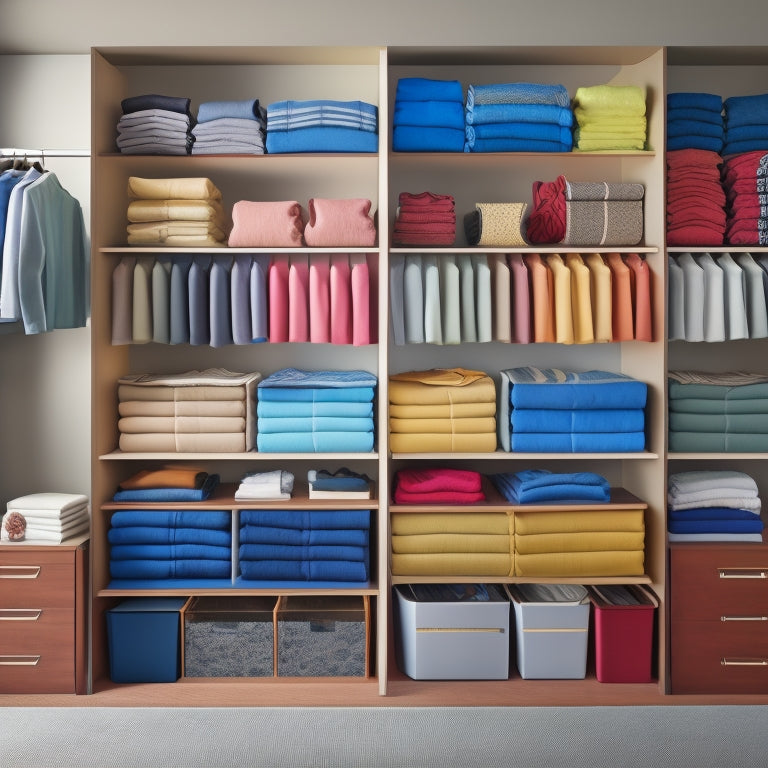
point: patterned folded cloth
(591, 222)
(540, 485)
(603, 190)
(495, 224)
(291, 115)
(518, 93)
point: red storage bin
(623, 618)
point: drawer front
(719, 657)
(707, 584)
(37, 579)
(37, 630)
(36, 673)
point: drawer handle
(20, 614)
(19, 661)
(19, 571)
(743, 573)
(744, 662)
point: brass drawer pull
(743, 573)
(19, 571)
(744, 662)
(19, 661)
(20, 614)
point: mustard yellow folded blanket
(580, 564)
(428, 543)
(576, 522)
(195, 188)
(407, 524)
(447, 411)
(591, 541)
(441, 426)
(452, 564)
(442, 443)
(610, 99)
(179, 210)
(441, 387)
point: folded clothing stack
(322, 125)
(746, 124)
(428, 116)
(586, 213)
(343, 483)
(301, 396)
(209, 411)
(184, 212)
(541, 486)
(274, 484)
(167, 484)
(305, 545)
(456, 544)
(518, 117)
(713, 505)
(695, 121)
(267, 224)
(438, 485)
(714, 412)
(424, 218)
(696, 203)
(230, 128)
(153, 124)
(442, 410)
(551, 410)
(609, 117)
(495, 224)
(48, 517)
(717, 297)
(170, 544)
(579, 543)
(745, 184)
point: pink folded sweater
(258, 224)
(340, 222)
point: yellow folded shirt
(579, 521)
(442, 443)
(441, 387)
(452, 564)
(580, 564)
(443, 426)
(408, 524)
(447, 411)
(589, 541)
(425, 543)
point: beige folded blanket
(177, 210)
(173, 189)
(181, 443)
(181, 424)
(182, 408)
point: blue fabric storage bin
(144, 640)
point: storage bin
(453, 631)
(228, 637)
(551, 630)
(143, 635)
(323, 635)
(623, 620)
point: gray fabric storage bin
(229, 637)
(323, 635)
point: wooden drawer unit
(719, 618)
(43, 618)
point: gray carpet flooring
(386, 737)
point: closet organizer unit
(718, 589)
(231, 74)
(636, 478)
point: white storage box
(551, 630)
(453, 631)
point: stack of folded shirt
(746, 192)
(695, 121)
(175, 212)
(438, 485)
(230, 128)
(316, 411)
(428, 116)
(713, 505)
(322, 125)
(456, 544)
(305, 545)
(167, 484)
(49, 517)
(209, 411)
(426, 218)
(579, 543)
(170, 544)
(540, 486)
(275, 484)
(550, 410)
(717, 298)
(518, 117)
(152, 124)
(746, 124)
(442, 410)
(609, 117)
(725, 412)
(586, 213)
(696, 204)
(341, 484)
